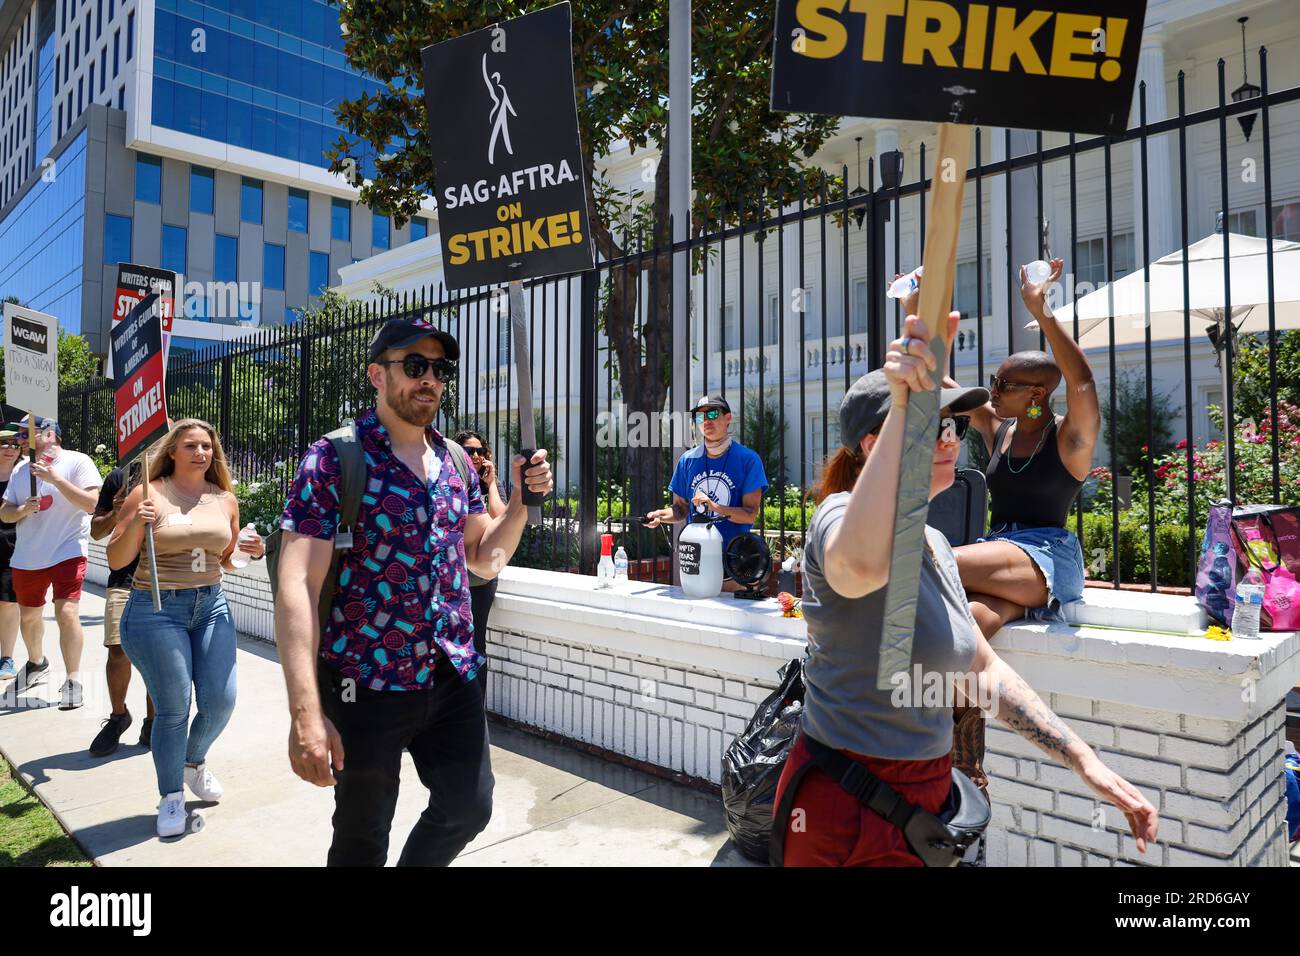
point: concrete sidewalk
(553, 806)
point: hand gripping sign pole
(922, 412)
(140, 400)
(31, 452)
(523, 372)
(960, 65)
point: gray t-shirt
(842, 707)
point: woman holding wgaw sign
(191, 641)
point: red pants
(834, 829)
(66, 576)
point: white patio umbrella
(1137, 302)
(1126, 298)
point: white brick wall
(1196, 725)
(629, 707)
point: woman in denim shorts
(1030, 563)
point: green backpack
(352, 474)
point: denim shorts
(1057, 553)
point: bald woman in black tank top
(1038, 461)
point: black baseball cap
(711, 401)
(868, 401)
(399, 333)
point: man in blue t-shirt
(721, 474)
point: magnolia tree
(743, 152)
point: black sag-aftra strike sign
(507, 158)
(1032, 64)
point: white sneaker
(202, 783)
(171, 814)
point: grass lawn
(29, 834)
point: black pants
(445, 730)
(481, 599)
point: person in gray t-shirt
(903, 735)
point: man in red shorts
(53, 537)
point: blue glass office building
(182, 134)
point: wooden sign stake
(922, 413)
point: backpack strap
(352, 472)
(460, 459)
(352, 476)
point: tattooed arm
(1004, 693)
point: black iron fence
(788, 308)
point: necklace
(184, 499)
(1037, 448)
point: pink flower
(1182, 443)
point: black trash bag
(752, 764)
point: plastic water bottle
(238, 558)
(904, 286)
(1250, 601)
(620, 566)
(605, 569)
(1038, 271)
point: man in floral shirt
(393, 666)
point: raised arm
(984, 419)
(1082, 423)
(857, 553)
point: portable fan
(748, 561)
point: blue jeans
(191, 641)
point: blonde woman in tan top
(191, 641)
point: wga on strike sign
(140, 400)
(507, 158)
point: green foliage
(763, 430)
(977, 455)
(262, 502)
(1173, 564)
(1131, 414)
(1253, 481)
(550, 545)
(1252, 391)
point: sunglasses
(10, 445)
(1002, 385)
(958, 425)
(415, 367)
(476, 452)
(712, 414)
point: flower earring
(1035, 411)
